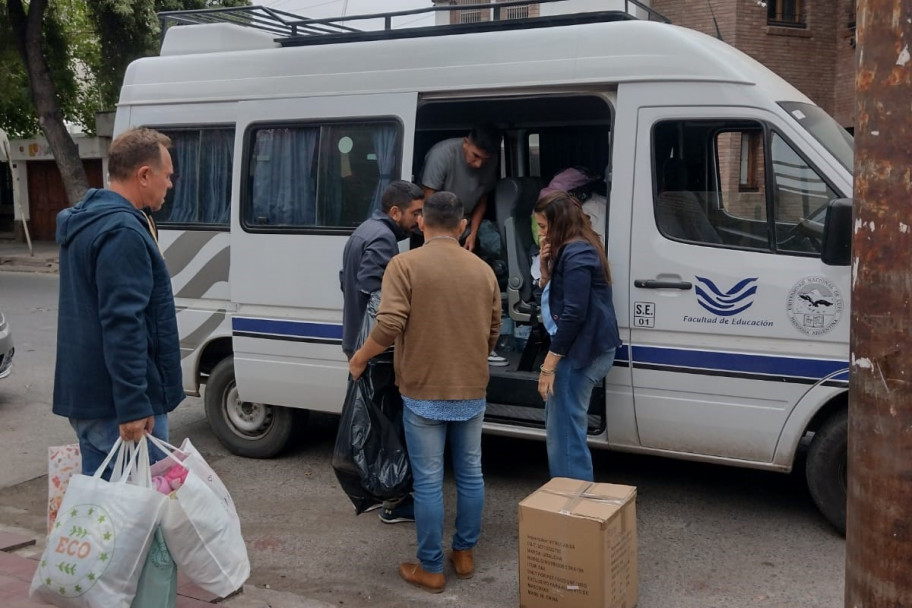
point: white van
(719, 177)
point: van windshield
(825, 130)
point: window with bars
(514, 12)
(789, 13)
(475, 15)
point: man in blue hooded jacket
(118, 355)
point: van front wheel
(252, 430)
(826, 469)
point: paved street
(708, 536)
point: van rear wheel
(253, 430)
(826, 469)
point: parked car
(6, 347)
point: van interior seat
(515, 199)
(678, 210)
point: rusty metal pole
(879, 517)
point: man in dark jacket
(369, 249)
(365, 257)
(118, 355)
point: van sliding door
(312, 170)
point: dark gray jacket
(369, 249)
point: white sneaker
(496, 360)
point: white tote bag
(201, 525)
(98, 544)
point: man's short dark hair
(443, 210)
(486, 138)
(134, 148)
(400, 194)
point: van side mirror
(836, 249)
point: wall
(817, 60)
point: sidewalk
(15, 257)
(19, 560)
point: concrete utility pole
(879, 518)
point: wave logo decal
(726, 303)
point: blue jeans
(426, 440)
(566, 417)
(98, 435)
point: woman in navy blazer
(578, 313)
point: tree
(64, 60)
(32, 39)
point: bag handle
(143, 476)
(167, 449)
(132, 464)
(115, 450)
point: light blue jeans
(566, 417)
(98, 435)
(426, 440)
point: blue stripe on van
(301, 331)
(680, 360)
(753, 365)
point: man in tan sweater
(441, 308)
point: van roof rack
(290, 29)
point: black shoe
(402, 513)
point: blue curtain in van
(185, 149)
(216, 159)
(385, 147)
(284, 177)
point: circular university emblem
(814, 305)
(80, 547)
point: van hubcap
(249, 420)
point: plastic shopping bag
(99, 542)
(157, 586)
(200, 523)
(370, 458)
(64, 461)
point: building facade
(810, 43)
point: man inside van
(365, 257)
(467, 167)
(442, 372)
(118, 354)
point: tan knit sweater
(440, 304)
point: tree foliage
(17, 113)
(88, 45)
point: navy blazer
(581, 306)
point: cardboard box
(578, 546)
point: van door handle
(653, 284)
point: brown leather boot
(463, 563)
(414, 574)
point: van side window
(319, 176)
(800, 198)
(201, 194)
(712, 187)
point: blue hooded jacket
(118, 351)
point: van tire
(252, 430)
(826, 469)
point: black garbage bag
(370, 458)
